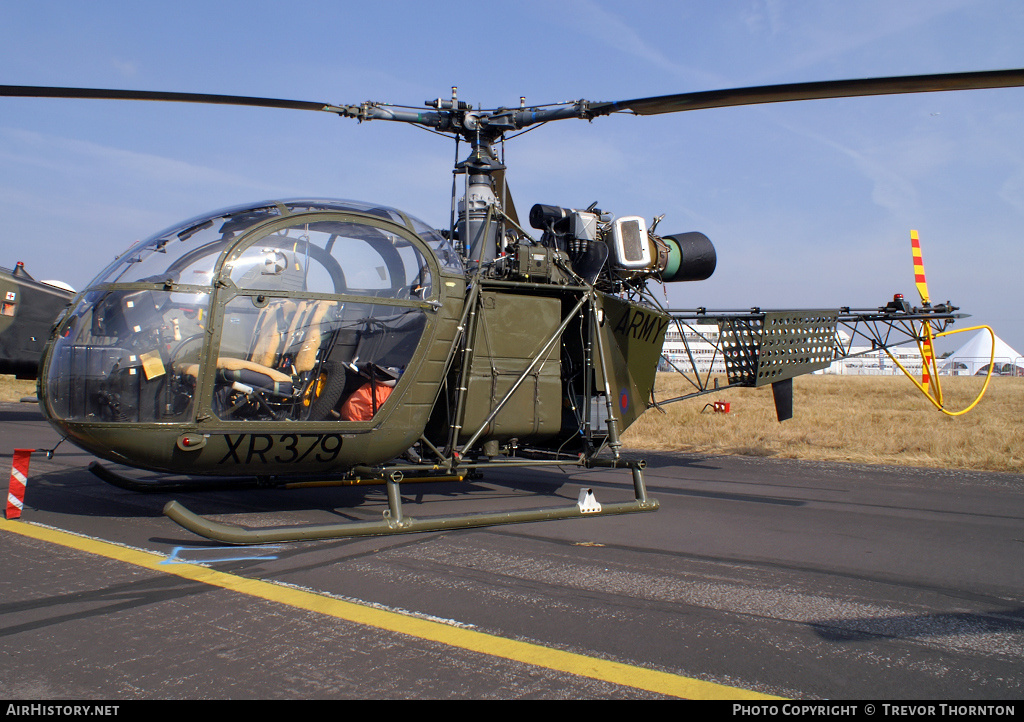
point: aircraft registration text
(281, 448)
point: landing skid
(150, 487)
(394, 520)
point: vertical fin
(782, 391)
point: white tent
(974, 356)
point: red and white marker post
(19, 479)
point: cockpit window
(184, 254)
(308, 360)
(446, 254)
(333, 257)
(304, 206)
(115, 357)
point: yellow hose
(933, 381)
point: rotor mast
(480, 213)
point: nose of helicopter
(231, 343)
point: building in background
(695, 347)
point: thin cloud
(830, 35)
(70, 155)
(125, 68)
(614, 32)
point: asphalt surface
(801, 580)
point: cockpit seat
(276, 323)
(310, 335)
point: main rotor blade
(35, 91)
(814, 91)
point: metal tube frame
(395, 521)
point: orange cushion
(359, 406)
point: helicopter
(314, 339)
(26, 318)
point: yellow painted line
(474, 641)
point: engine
(622, 250)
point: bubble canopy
(162, 253)
(273, 311)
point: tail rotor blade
(919, 279)
(927, 348)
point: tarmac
(757, 578)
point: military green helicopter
(27, 310)
(317, 339)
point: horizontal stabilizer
(777, 345)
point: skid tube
(153, 487)
(394, 520)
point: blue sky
(809, 204)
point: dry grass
(11, 389)
(864, 419)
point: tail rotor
(930, 385)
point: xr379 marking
(281, 448)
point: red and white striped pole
(19, 478)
